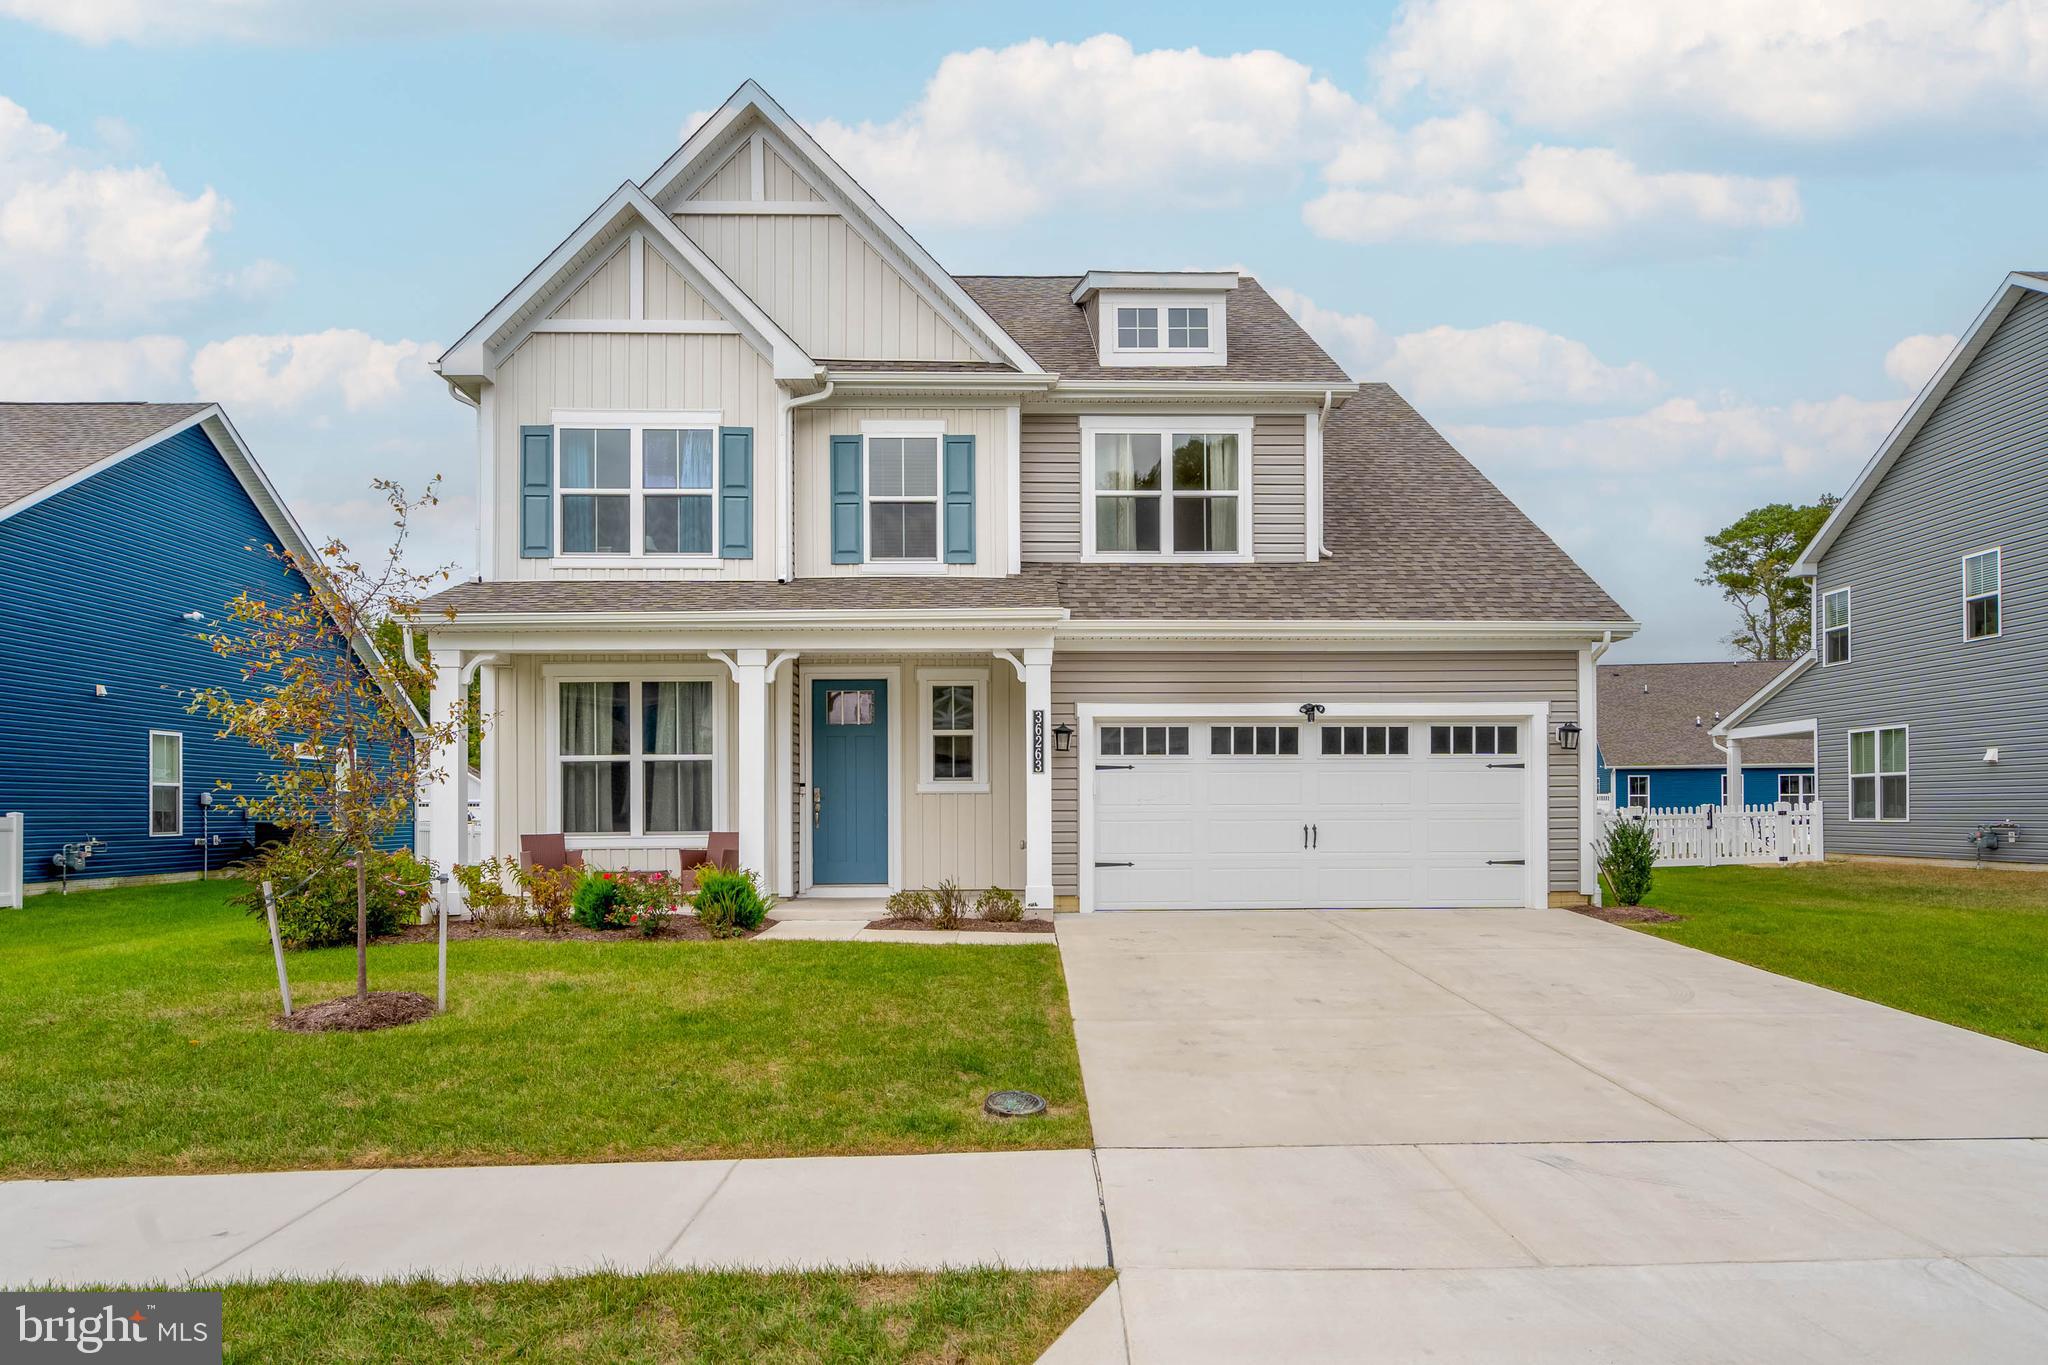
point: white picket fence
(1707, 836)
(12, 830)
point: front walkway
(1527, 1135)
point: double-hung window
(1834, 627)
(638, 487)
(1877, 773)
(637, 757)
(1639, 790)
(166, 783)
(1796, 788)
(955, 746)
(1167, 489)
(903, 498)
(1981, 573)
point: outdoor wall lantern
(1568, 736)
(1062, 738)
(1310, 710)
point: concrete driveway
(1531, 1136)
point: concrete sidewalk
(1025, 1210)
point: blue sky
(1646, 266)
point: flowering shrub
(600, 901)
(650, 898)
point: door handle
(1304, 836)
(1506, 862)
(817, 805)
(1507, 765)
(1116, 864)
(1114, 767)
(1315, 836)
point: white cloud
(1557, 194)
(1796, 69)
(86, 244)
(1003, 132)
(1913, 361)
(62, 371)
(1499, 364)
(293, 372)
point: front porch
(849, 762)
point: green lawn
(135, 1038)
(1964, 945)
(965, 1316)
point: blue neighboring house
(1655, 745)
(124, 528)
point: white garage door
(1271, 815)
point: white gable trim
(1764, 694)
(1909, 425)
(624, 214)
(672, 181)
(234, 452)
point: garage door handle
(1114, 767)
(1116, 864)
(1507, 765)
(1507, 862)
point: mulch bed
(1019, 926)
(380, 1009)
(680, 928)
(1629, 914)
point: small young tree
(346, 749)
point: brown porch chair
(547, 850)
(720, 850)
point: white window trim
(868, 563)
(552, 678)
(927, 680)
(636, 423)
(1848, 627)
(1111, 355)
(1877, 774)
(1804, 788)
(1629, 797)
(149, 811)
(1997, 591)
(1234, 424)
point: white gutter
(1315, 490)
(1276, 627)
(990, 381)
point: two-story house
(1926, 691)
(1112, 587)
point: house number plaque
(1038, 741)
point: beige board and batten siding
(525, 765)
(990, 428)
(783, 183)
(554, 371)
(974, 838)
(733, 180)
(1227, 678)
(1050, 482)
(826, 286)
(607, 294)
(670, 297)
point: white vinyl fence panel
(1709, 836)
(13, 828)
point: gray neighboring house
(1925, 690)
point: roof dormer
(1158, 317)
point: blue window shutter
(959, 499)
(846, 548)
(536, 492)
(736, 493)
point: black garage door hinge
(1116, 864)
(1507, 765)
(1114, 767)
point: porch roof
(864, 592)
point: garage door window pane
(1219, 739)
(1507, 742)
(1176, 739)
(1112, 741)
(1439, 739)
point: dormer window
(1158, 318)
(1137, 329)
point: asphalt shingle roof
(1265, 343)
(1415, 534)
(1647, 715)
(42, 443)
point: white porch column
(1038, 779)
(750, 679)
(447, 792)
(1734, 772)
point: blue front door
(849, 781)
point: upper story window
(1184, 328)
(1981, 573)
(1834, 627)
(1160, 318)
(903, 498)
(638, 488)
(1158, 488)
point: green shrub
(600, 902)
(907, 904)
(730, 903)
(1627, 853)
(999, 906)
(315, 881)
(483, 891)
(949, 905)
(551, 891)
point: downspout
(1589, 756)
(788, 482)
